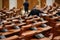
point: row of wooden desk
(25, 31)
(31, 26)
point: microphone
(2, 36)
(4, 28)
(38, 36)
(43, 25)
(33, 28)
(15, 27)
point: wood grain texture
(5, 3)
(20, 3)
(57, 1)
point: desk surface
(11, 31)
(11, 38)
(42, 39)
(27, 33)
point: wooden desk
(30, 33)
(34, 24)
(55, 18)
(41, 39)
(11, 32)
(11, 38)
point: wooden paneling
(20, 3)
(57, 1)
(43, 3)
(6, 3)
(0, 4)
(32, 3)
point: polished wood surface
(20, 3)
(5, 3)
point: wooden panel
(20, 3)
(57, 1)
(43, 3)
(0, 4)
(6, 3)
(32, 3)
